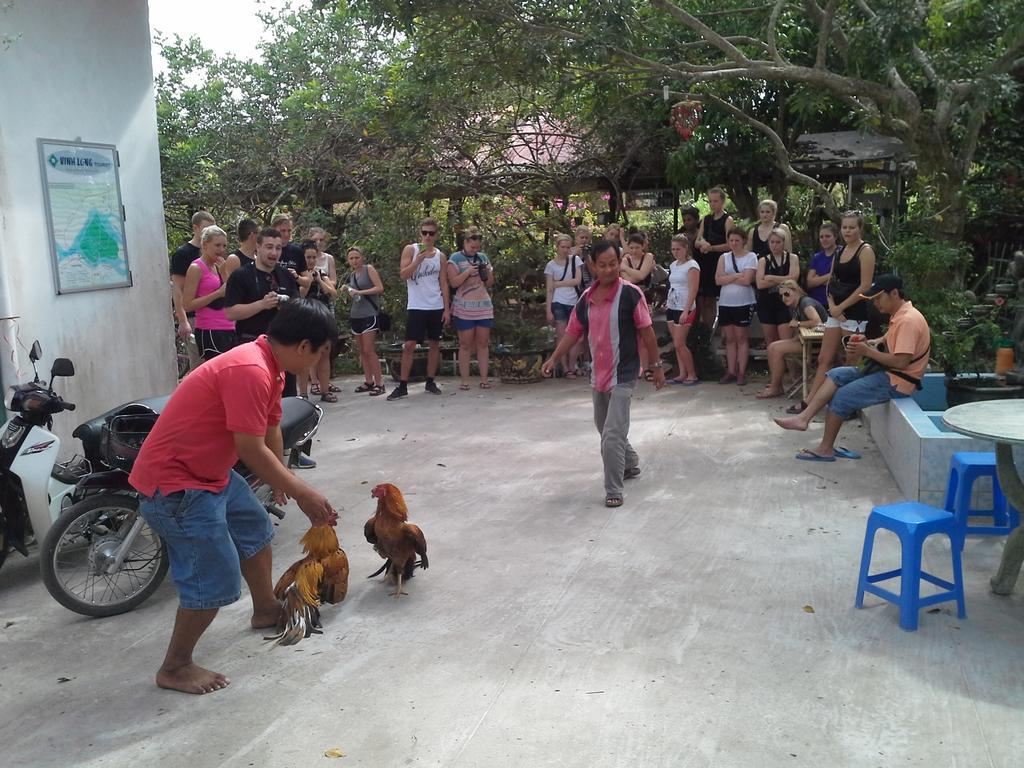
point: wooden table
(1001, 421)
(808, 338)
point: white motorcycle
(34, 488)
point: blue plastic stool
(913, 522)
(964, 469)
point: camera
(282, 297)
(481, 268)
(586, 250)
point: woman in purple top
(820, 270)
(203, 293)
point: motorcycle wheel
(78, 546)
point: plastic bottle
(1004, 357)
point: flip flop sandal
(570, 374)
(485, 385)
(361, 388)
(690, 382)
(765, 395)
(613, 501)
(797, 408)
(464, 387)
(809, 455)
(846, 453)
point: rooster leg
(398, 585)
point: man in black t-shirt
(292, 256)
(252, 297)
(246, 251)
(181, 259)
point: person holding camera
(423, 266)
(321, 288)
(470, 274)
(252, 298)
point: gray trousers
(611, 417)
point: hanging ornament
(686, 116)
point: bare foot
(266, 617)
(794, 423)
(191, 678)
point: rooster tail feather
(298, 619)
(287, 578)
(383, 569)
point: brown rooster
(321, 576)
(395, 539)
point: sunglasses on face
(428, 232)
(786, 294)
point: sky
(224, 26)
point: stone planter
(971, 388)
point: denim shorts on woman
(857, 391)
(561, 312)
(206, 535)
(461, 324)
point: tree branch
(702, 29)
(773, 20)
(820, 17)
(824, 32)
(782, 158)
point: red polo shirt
(192, 445)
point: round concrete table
(1001, 421)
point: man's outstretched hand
(317, 508)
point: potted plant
(966, 352)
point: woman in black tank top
(852, 272)
(772, 270)
(767, 210)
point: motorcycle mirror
(62, 367)
(36, 352)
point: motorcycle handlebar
(68, 406)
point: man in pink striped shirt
(614, 316)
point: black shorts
(213, 343)
(740, 316)
(423, 324)
(708, 263)
(361, 325)
(676, 316)
(772, 311)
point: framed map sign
(84, 215)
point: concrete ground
(708, 622)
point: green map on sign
(85, 216)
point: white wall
(75, 70)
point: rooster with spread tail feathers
(395, 539)
(320, 577)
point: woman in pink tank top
(204, 294)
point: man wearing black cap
(895, 365)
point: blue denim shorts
(468, 325)
(206, 535)
(858, 391)
(561, 312)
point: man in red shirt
(212, 524)
(613, 315)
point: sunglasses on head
(428, 232)
(475, 237)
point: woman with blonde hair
(853, 270)
(773, 269)
(203, 293)
(563, 275)
(364, 288)
(681, 309)
(805, 312)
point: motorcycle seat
(89, 432)
(299, 417)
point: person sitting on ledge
(890, 372)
